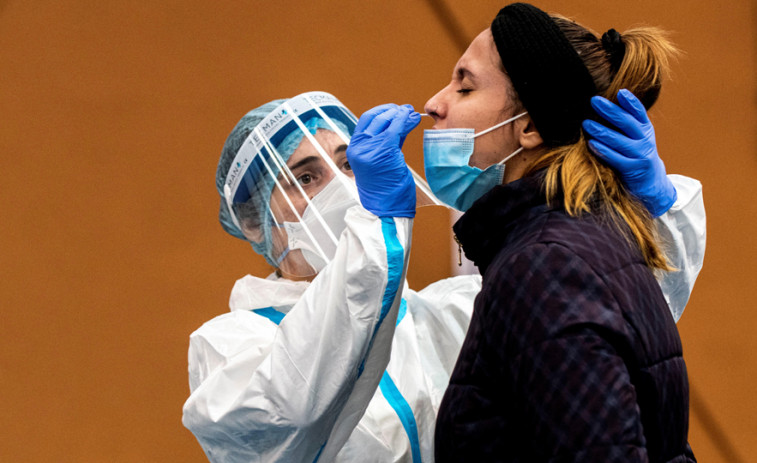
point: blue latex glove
(384, 181)
(632, 151)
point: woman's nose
(434, 107)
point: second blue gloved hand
(383, 179)
(632, 151)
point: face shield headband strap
(549, 77)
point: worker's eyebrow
(303, 162)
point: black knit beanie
(551, 80)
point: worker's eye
(305, 179)
(340, 159)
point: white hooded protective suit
(291, 373)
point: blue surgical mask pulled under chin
(446, 154)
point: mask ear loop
(507, 158)
(484, 132)
(282, 257)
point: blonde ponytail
(576, 172)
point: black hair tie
(615, 48)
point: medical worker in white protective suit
(299, 370)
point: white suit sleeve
(299, 398)
(683, 233)
(442, 312)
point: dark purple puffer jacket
(572, 353)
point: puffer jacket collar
(484, 228)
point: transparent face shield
(290, 185)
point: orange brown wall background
(113, 118)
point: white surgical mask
(446, 154)
(329, 206)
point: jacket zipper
(459, 251)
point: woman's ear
(528, 136)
